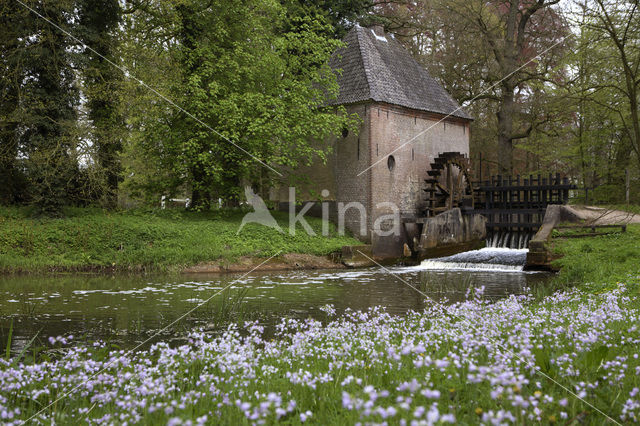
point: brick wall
(352, 158)
(384, 128)
(349, 156)
(391, 127)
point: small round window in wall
(391, 163)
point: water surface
(128, 309)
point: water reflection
(128, 309)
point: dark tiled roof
(380, 69)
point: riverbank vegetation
(571, 356)
(88, 239)
(599, 263)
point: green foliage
(341, 14)
(42, 97)
(253, 77)
(255, 104)
(591, 360)
(599, 131)
(147, 240)
(11, 174)
(543, 361)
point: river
(126, 310)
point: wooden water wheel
(449, 183)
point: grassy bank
(95, 239)
(599, 263)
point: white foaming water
(509, 239)
(486, 259)
(459, 266)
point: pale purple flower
(304, 416)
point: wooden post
(450, 186)
(527, 198)
(517, 192)
(586, 194)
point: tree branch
(522, 25)
(522, 135)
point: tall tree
(47, 103)
(483, 51)
(508, 41)
(97, 27)
(618, 21)
(11, 74)
(264, 95)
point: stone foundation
(539, 255)
(451, 232)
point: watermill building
(407, 120)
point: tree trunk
(109, 160)
(8, 145)
(98, 20)
(200, 197)
(505, 130)
(8, 169)
(635, 120)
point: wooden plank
(511, 211)
(513, 225)
(623, 226)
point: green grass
(95, 239)
(598, 263)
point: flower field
(466, 363)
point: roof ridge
(424, 69)
(365, 59)
(384, 71)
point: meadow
(598, 263)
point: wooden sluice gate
(515, 207)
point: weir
(485, 259)
(515, 207)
